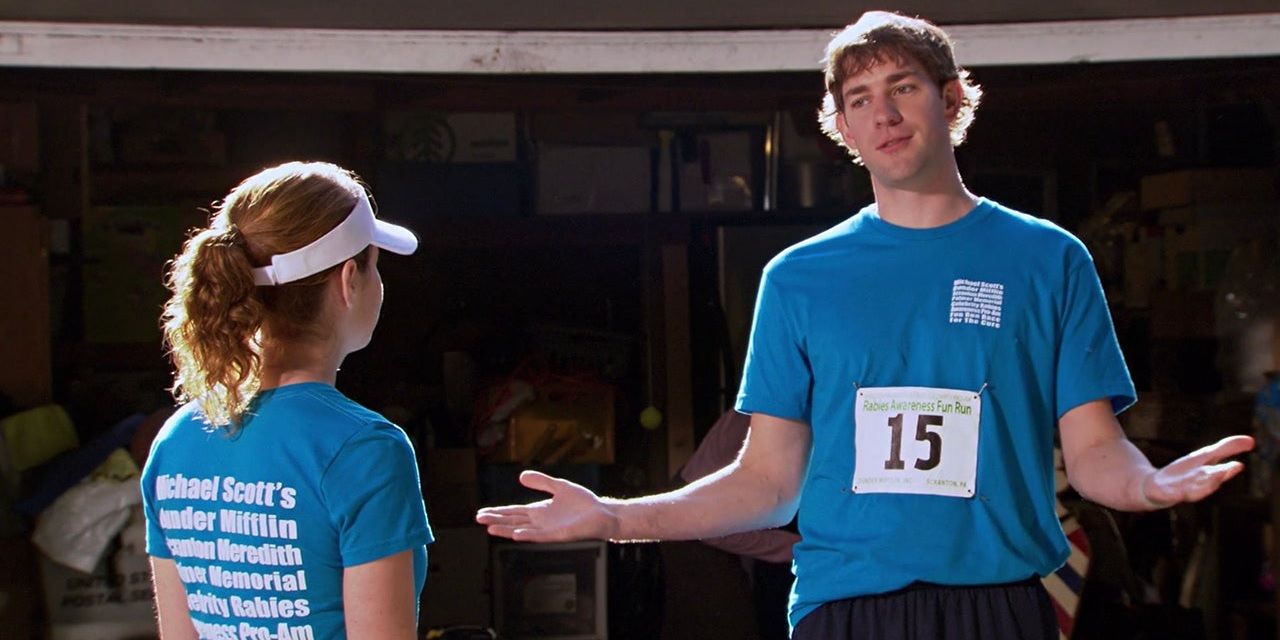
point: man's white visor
(350, 237)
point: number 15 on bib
(916, 440)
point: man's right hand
(572, 512)
(759, 490)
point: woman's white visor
(350, 237)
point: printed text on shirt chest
(977, 302)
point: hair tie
(231, 237)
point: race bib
(916, 440)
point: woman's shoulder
(323, 412)
(185, 418)
(343, 411)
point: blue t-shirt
(997, 303)
(262, 523)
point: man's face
(898, 119)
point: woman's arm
(378, 599)
(171, 601)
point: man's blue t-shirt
(261, 523)
(1000, 307)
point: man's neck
(923, 208)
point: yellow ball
(651, 418)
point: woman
(277, 507)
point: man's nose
(887, 113)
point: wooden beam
(679, 358)
(88, 45)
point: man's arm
(1105, 467)
(770, 545)
(760, 489)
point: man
(906, 370)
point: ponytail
(217, 319)
(211, 325)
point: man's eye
(904, 88)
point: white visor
(350, 237)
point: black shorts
(921, 611)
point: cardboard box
(1181, 188)
(569, 423)
(593, 179)
(457, 589)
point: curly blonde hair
(878, 35)
(216, 320)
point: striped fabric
(1065, 584)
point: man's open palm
(1198, 474)
(572, 512)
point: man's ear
(952, 98)
(843, 128)
(347, 280)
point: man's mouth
(893, 144)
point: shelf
(786, 216)
(596, 229)
(144, 185)
(510, 231)
(165, 184)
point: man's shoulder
(1039, 234)
(1026, 222)
(818, 246)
